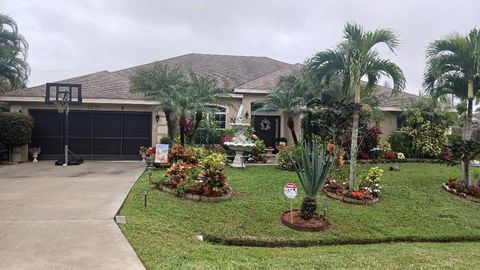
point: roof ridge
(269, 75)
(203, 54)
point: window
(217, 114)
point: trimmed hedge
(15, 129)
(250, 242)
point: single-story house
(112, 123)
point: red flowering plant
(452, 182)
(226, 138)
(363, 155)
(151, 150)
(334, 186)
(390, 155)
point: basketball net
(61, 106)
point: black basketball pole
(65, 163)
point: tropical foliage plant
(312, 169)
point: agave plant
(312, 170)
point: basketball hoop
(61, 106)
(62, 95)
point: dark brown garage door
(94, 135)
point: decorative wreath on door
(265, 125)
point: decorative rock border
(298, 227)
(195, 197)
(460, 194)
(349, 199)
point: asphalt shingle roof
(243, 72)
(228, 70)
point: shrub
(454, 138)
(16, 129)
(283, 156)
(184, 153)
(428, 137)
(258, 151)
(400, 142)
(371, 139)
(372, 181)
(166, 140)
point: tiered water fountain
(240, 143)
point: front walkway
(54, 217)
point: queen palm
(160, 84)
(198, 92)
(288, 98)
(354, 58)
(14, 69)
(453, 67)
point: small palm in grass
(312, 170)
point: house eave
(84, 100)
(390, 109)
(250, 91)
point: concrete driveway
(54, 217)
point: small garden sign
(290, 190)
(161, 153)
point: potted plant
(143, 152)
(35, 151)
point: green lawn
(163, 234)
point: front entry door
(267, 128)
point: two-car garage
(93, 135)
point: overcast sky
(71, 38)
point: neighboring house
(112, 122)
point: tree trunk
(354, 143)
(181, 124)
(198, 119)
(291, 126)
(467, 135)
(168, 118)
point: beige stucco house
(112, 123)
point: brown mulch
(294, 221)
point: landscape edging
(195, 197)
(349, 199)
(251, 242)
(460, 194)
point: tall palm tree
(453, 67)
(288, 98)
(354, 58)
(14, 69)
(160, 84)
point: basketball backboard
(63, 93)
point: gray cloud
(70, 38)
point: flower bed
(368, 192)
(197, 174)
(471, 193)
(196, 197)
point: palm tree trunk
(354, 143)
(182, 123)
(198, 119)
(168, 118)
(291, 126)
(467, 135)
